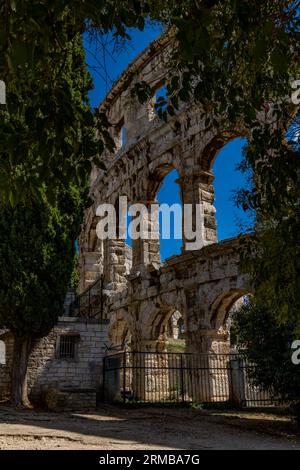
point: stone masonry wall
(78, 375)
(62, 383)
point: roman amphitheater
(127, 297)
(141, 292)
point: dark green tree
(42, 138)
(237, 58)
(37, 249)
(237, 54)
(268, 346)
(36, 256)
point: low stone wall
(70, 399)
(47, 370)
(68, 382)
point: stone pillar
(112, 379)
(91, 268)
(114, 264)
(210, 379)
(150, 371)
(147, 251)
(238, 386)
(207, 341)
(198, 189)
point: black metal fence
(180, 378)
(89, 304)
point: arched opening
(170, 216)
(231, 220)
(164, 328)
(229, 323)
(2, 353)
(223, 311)
(158, 220)
(176, 333)
(120, 335)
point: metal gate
(146, 377)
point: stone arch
(147, 252)
(198, 185)
(91, 254)
(176, 325)
(169, 197)
(156, 315)
(93, 241)
(120, 332)
(157, 176)
(159, 322)
(222, 305)
(215, 145)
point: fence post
(238, 389)
(182, 378)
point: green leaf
(261, 48)
(279, 60)
(141, 23)
(11, 198)
(13, 5)
(22, 54)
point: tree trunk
(19, 392)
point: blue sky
(106, 67)
(227, 179)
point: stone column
(113, 378)
(114, 264)
(210, 365)
(198, 189)
(150, 372)
(147, 251)
(207, 341)
(238, 386)
(91, 268)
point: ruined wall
(63, 382)
(140, 293)
(81, 374)
(150, 150)
(202, 286)
(140, 297)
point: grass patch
(176, 346)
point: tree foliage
(39, 227)
(243, 57)
(268, 345)
(38, 233)
(237, 54)
(47, 129)
(36, 256)
(238, 58)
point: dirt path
(146, 429)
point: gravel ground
(112, 428)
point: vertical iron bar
(182, 378)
